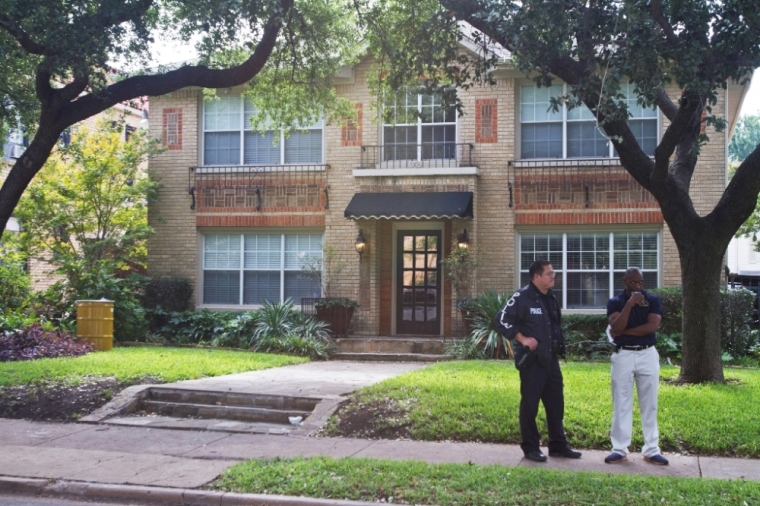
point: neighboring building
(743, 262)
(237, 212)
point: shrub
(672, 309)
(464, 349)
(484, 340)
(736, 315)
(585, 335)
(13, 320)
(14, 284)
(296, 345)
(33, 342)
(195, 327)
(170, 293)
(96, 281)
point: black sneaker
(615, 458)
(535, 456)
(566, 452)
(657, 460)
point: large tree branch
(190, 75)
(674, 135)
(739, 199)
(23, 38)
(668, 108)
(655, 10)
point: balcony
(251, 188)
(575, 183)
(427, 158)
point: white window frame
(241, 269)
(564, 121)
(243, 128)
(613, 270)
(419, 124)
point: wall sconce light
(360, 244)
(462, 240)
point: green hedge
(586, 337)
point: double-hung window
(590, 266)
(422, 128)
(574, 133)
(228, 138)
(250, 269)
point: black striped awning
(410, 205)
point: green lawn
(168, 364)
(479, 400)
(414, 482)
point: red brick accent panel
(486, 121)
(258, 220)
(172, 128)
(385, 251)
(351, 133)
(576, 218)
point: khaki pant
(643, 368)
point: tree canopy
(90, 200)
(56, 67)
(745, 139)
(696, 47)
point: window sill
(418, 171)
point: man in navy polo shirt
(634, 317)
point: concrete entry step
(392, 357)
(392, 345)
(225, 405)
(179, 409)
(253, 400)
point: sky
(751, 103)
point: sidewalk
(149, 464)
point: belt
(638, 347)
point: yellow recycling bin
(95, 323)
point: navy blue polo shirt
(638, 316)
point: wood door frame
(414, 225)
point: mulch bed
(54, 401)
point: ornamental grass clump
(33, 342)
(281, 328)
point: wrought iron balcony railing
(578, 181)
(256, 187)
(413, 155)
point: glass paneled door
(419, 276)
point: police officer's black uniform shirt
(550, 306)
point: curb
(159, 495)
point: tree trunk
(701, 268)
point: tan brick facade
(508, 200)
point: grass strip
(415, 482)
(168, 364)
(479, 401)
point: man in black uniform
(531, 320)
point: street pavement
(143, 464)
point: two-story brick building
(238, 211)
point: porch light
(462, 240)
(361, 244)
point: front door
(418, 308)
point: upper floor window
(573, 133)
(422, 128)
(228, 138)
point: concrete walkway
(149, 464)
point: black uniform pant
(541, 383)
